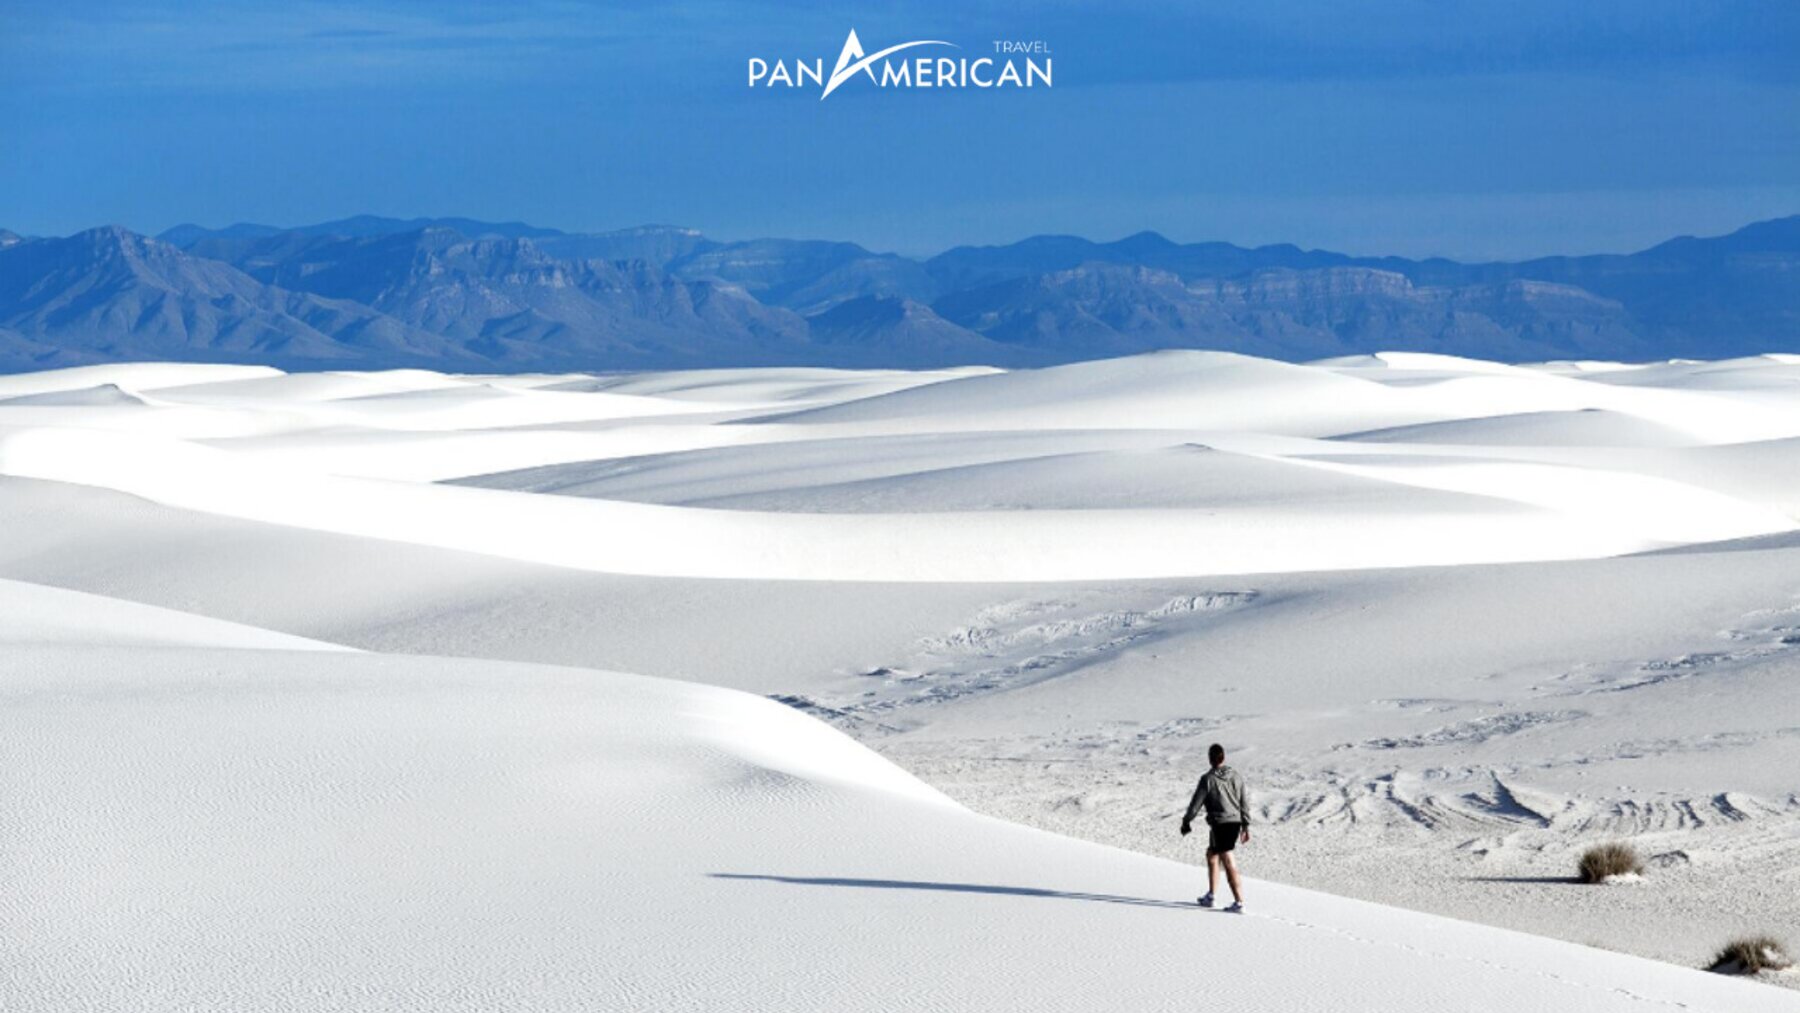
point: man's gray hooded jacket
(1223, 794)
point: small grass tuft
(1751, 955)
(1602, 861)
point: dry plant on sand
(1751, 955)
(1603, 861)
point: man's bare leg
(1237, 892)
(1212, 874)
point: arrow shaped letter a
(853, 50)
(852, 61)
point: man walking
(1227, 804)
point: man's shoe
(1206, 901)
(1236, 908)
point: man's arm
(1187, 821)
(1244, 806)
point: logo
(1015, 64)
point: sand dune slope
(215, 829)
(1458, 619)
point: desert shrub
(1603, 860)
(1751, 955)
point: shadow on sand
(1557, 880)
(1002, 891)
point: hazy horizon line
(898, 252)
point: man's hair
(1216, 754)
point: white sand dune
(102, 396)
(1406, 590)
(1587, 427)
(809, 386)
(419, 407)
(1417, 364)
(313, 461)
(276, 387)
(305, 831)
(37, 615)
(431, 456)
(1161, 390)
(1741, 401)
(131, 375)
(622, 537)
(1074, 470)
(1760, 373)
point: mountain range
(461, 294)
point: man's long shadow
(988, 888)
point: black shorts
(1224, 837)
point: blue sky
(1409, 126)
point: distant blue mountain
(457, 293)
(108, 294)
(653, 244)
(971, 266)
(186, 236)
